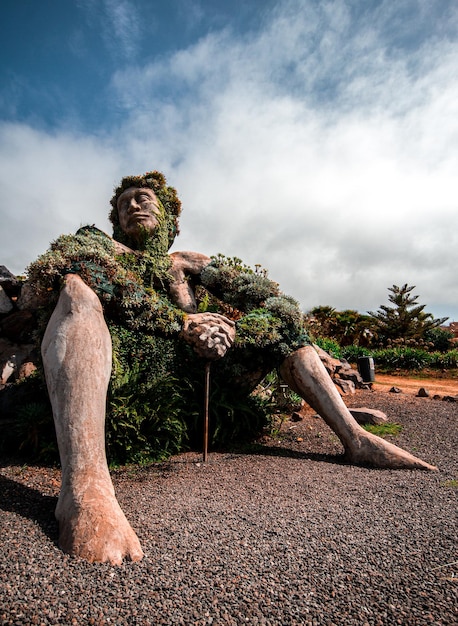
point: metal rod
(207, 400)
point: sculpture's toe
(369, 449)
(97, 530)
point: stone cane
(206, 406)
(211, 335)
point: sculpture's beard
(152, 261)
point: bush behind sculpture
(151, 414)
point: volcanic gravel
(284, 534)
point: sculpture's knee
(75, 299)
(77, 335)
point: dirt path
(411, 385)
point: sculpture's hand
(210, 334)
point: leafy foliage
(345, 327)
(144, 421)
(352, 353)
(447, 360)
(27, 423)
(235, 283)
(271, 322)
(331, 346)
(439, 339)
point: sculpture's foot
(368, 449)
(94, 528)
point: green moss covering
(155, 398)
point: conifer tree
(406, 321)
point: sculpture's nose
(133, 206)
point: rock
(347, 386)
(369, 416)
(5, 303)
(26, 369)
(423, 393)
(395, 390)
(18, 325)
(340, 370)
(450, 398)
(23, 356)
(343, 366)
(9, 282)
(28, 299)
(296, 417)
(351, 374)
(331, 364)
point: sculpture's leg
(76, 352)
(304, 372)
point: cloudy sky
(317, 138)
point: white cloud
(50, 185)
(320, 148)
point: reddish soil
(411, 384)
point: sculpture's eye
(144, 197)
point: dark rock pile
(18, 353)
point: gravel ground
(283, 535)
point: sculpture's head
(142, 206)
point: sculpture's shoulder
(189, 262)
(93, 231)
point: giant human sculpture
(133, 278)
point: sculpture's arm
(210, 334)
(185, 271)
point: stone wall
(18, 350)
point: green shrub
(27, 427)
(414, 359)
(440, 339)
(447, 360)
(402, 358)
(330, 346)
(405, 358)
(144, 421)
(352, 353)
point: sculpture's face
(138, 211)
